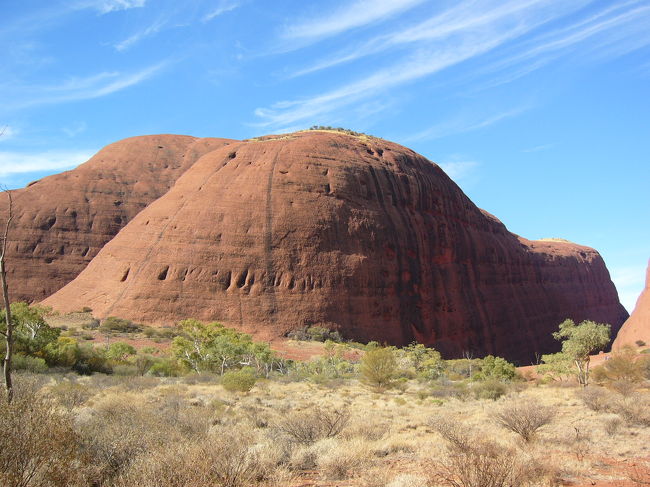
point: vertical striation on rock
(355, 233)
(637, 327)
(62, 221)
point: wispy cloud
(224, 7)
(76, 89)
(107, 6)
(461, 124)
(452, 37)
(354, 14)
(142, 34)
(538, 148)
(75, 129)
(610, 32)
(462, 19)
(18, 162)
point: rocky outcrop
(349, 232)
(637, 327)
(62, 221)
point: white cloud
(19, 162)
(220, 10)
(106, 6)
(462, 124)
(351, 15)
(451, 38)
(539, 148)
(75, 89)
(463, 19)
(138, 36)
(75, 129)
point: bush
(35, 365)
(307, 427)
(378, 368)
(473, 461)
(241, 380)
(490, 389)
(596, 399)
(119, 325)
(39, 446)
(524, 418)
(495, 368)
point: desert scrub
(241, 380)
(524, 418)
(473, 461)
(39, 445)
(225, 458)
(309, 426)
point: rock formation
(637, 327)
(62, 221)
(350, 232)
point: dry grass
(169, 431)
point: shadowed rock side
(351, 232)
(637, 327)
(62, 221)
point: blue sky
(539, 110)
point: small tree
(580, 341)
(378, 367)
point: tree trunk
(9, 332)
(9, 339)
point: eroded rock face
(349, 232)
(62, 221)
(637, 327)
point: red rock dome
(351, 232)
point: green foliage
(495, 368)
(120, 351)
(31, 333)
(64, 352)
(491, 389)
(579, 341)
(212, 347)
(555, 366)
(315, 333)
(118, 325)
(418, 360)
(379, 367)
(164, 367)
(241, 380)
(35, 365)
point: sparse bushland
(472, 460)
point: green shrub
(378, 368)
(495, 368)
(164, 367)
(119, 325)
(490, 389)
(241, 380)
(35, 365)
